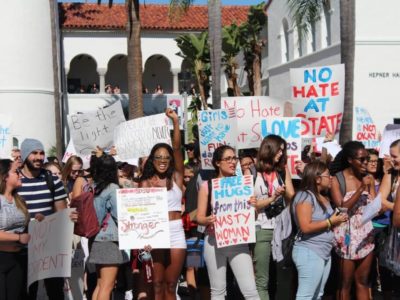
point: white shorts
(177, 234)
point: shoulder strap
(342, 182)
(49, 182)
(209, 186)
(282, 177)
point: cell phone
(339, 210)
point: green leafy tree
(231, 47)
(306, 13)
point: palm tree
(307, 12)
(215, 37)
(231, 46)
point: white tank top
(174, 197)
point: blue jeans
(313, 272)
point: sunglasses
(362, 159)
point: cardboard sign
(154, 104)
(365, 127)
(290, 130)
(92, 129)
(318, 98)
(143, 218)
(235, 223)
(249, 112)
(50, 247)
(391, 133)
(216, 128)
(136, 138)
(5, 136)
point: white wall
(26, 70)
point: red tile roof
(152, 16)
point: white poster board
(136, 138)
(365, 128)
(70, 151)
(318, 98)
(96, 128)
(290, 130)
(216, 128)
(5, 136)
(235, 219)
(249, 112)
(50, 247)
(143, 218)
(391, 133)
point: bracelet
(329, 223)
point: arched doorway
(117, 72)
(157, 71)
(82, 74)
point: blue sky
(224, 2)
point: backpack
(87, 224)
(50, 183)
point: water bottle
(147, 266)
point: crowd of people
(312, 240)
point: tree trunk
(232, 79)
(257, 69)
(215, 40)
(135, 86)
(347, 50)
(56, 77)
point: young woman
(273, 185)
(14, 219)
(54, 168)
(238, 256)
(315, 218)
(164, 168)
(353, 188)
(72, 170)
(104, 252)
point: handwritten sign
(143, 218)
(5, 136)
(96, 128)
(249, 112)
(70, 151)
(154, 104)
(50, 247)
(391, 133)
(365, 131)
(135, 138)
(290, 130)
(234, 223)
(216, 128)
(318, 96)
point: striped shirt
(37, 195)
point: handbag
(276, 207)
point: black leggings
(12, 275)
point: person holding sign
(315, 219)
(274, 190)
(164, 168)
(353, 188)
(238, 256)
(105, 253)
(14, 218)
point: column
(175, 87)
(102, 76)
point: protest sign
(5, 136)
(318, 98)
(136, 138)
(391, 133)
(216, 128)
(91, 129)
(365, 127)
(289, 129)
(249, 112)
(154, 104)
(50, 247)
(234, 222)
(70, 151)
(143, 218)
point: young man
(41, 200)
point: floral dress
(352, 239)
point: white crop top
(174, 197)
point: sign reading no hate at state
(235, 219)
(318, 98)
(91, 129)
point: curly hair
(104, 171)
(269, 148)
(149, 170)
(341, 161)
